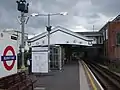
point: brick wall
(113, 48)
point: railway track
(108, 79)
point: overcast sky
(82, 14)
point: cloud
(79, 29)
(107, 7)
(81, 13)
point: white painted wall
(94, 39)
(18, 33)
(106, 33)
(5, 41)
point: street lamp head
(34, 14)
(64, 13)
(22, 1)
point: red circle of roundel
(8, 67)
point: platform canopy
(60, 35)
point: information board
(39, 60)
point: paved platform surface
(72, 77)
(84, 85)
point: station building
(62, 42)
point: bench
(18, 81)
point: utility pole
(23, 8)
(22, 38)
(49, 29)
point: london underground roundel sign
(6, 58)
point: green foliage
(19, 63)
(27, 55)
(114, 66)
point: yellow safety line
(90, 78)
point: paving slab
(71, 77)
(66, 79)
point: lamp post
(48, 27)
(23, 8)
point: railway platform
(73, 76)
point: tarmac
(71, 77)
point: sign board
(8, 55)
(39, 59)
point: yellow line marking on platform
(90, 78)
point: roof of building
(90, 33)
(59, 28)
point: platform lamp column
(48, 27)
(48, 30)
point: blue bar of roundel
(8, 58)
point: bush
(114, 65)
(19, 63)
(27, 55)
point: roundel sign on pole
(6, 58)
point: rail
(108, 79)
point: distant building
(96, 36)
(107, 38)
(97, 43)
(18, 34)
(111, 38)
